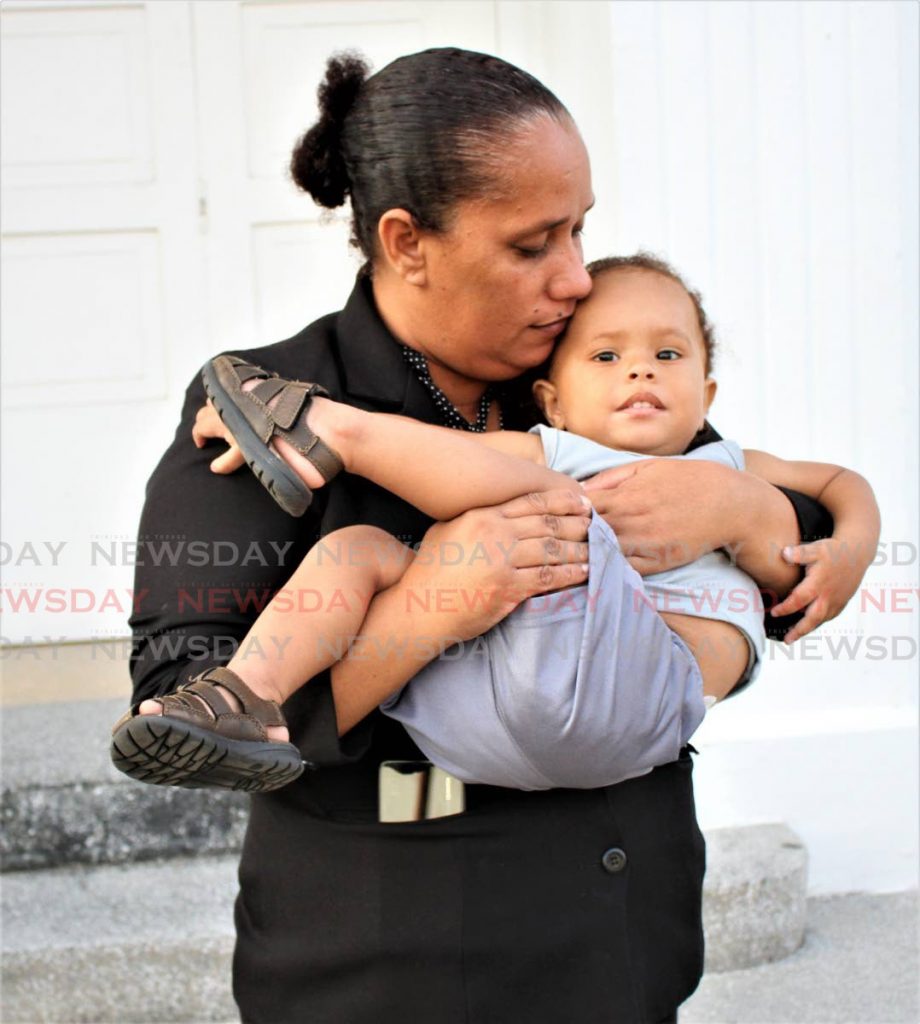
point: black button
(614, 860)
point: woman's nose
(572, 281)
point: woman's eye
(669, 353)
(605, 357)
(532, 251)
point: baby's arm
(834, 567)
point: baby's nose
(645, 372)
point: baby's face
(630, 372)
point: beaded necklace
(446, 409)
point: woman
(469, 184)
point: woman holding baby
(469, 186)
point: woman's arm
(668, 512)
(834, 567)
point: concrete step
(62, 802)
(153, 941)
(125, 943)
(754, 895)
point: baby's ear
(545, 395)
(709, 392)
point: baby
(579, 688)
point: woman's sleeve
(815, 523)
(212, 550)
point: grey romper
(584, 687)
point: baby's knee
(366, 548)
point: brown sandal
(253, 425)
(206, 742)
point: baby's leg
(309, 624)
(443, 472)
(721, 650)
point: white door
(101, 280)
(148, 222)
(275, 260)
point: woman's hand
(662, 510)
(471, 572)
(833, 573)
(209, 425)
(668, 512)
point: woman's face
(504, 279)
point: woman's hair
(422, 134)
(648, 261)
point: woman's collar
(373, 366)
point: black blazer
(575, 906)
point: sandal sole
(166, 751)
(275, 475)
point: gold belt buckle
(418, 791)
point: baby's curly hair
(649, 261)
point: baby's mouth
(643, 400)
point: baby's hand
(832, 574)
(208, 425)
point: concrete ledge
(754, 896)
(116, 823)
(63, 802)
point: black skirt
(561, 906)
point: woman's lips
(552, 329)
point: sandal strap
(246, 371)
(215, 700)
(265, 390)
(267, 711)
(315, 449)
(285, 419)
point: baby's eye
(669, 353)
(607, 356)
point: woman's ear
(401, 245)
(545, 395)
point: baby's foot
(328, 420)
(210, 732)
(257, 406)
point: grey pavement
(859, 964)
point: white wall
(768, 149)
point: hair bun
(318, 163)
